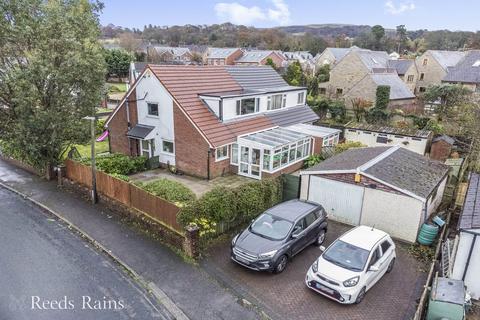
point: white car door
(387, 255)
(371, 277)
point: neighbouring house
(433, 65)
(305, 59)
(208, 121)
(466, 261)
(400, 95)
(135, 70)
(377, 135)
(178, 55)
(359, 73)
(394, 55)
(406, 70)
(391, 188)
(441, 148)
(332, 56)
(260, 57)
(222, 56)
(466, 72)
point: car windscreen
(271, 227)
(346, 255)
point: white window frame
(232, 158)
(303, 146)
(148, 110)
(226, 156)
(301, 98)
(148, 149)
(173, 144)
(238, 106)
(283, 101)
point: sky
(415, 14)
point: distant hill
(331, 30)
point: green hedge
(169, 190)
(232, 206)
(118, 164)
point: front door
(250, 162)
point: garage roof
(396, 167)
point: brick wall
(289, 169)
(440, 150)
(233, 57)
(365, 181)
(118, 127)
(275, 58)
(317, 145)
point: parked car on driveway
(352, 264)
(278, 234)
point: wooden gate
(291, 187)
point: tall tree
(378, 33)
(52, 73)
(118, 62)
(402, 38)
(294, 74)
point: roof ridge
(377, 159)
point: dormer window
(276, 101)
(247, 106)
(301, 98)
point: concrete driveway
(285, 296)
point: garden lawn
(85, 150)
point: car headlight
(351, 282)
(234, 240)
(315, 266)
(267, 255)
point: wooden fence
(126, 193)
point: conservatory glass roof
(275, 137)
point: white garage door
(342, 201)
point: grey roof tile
(410, 171)
(220, 53)
(256, 77)
(470, 216)
(401, 65)
(398, 88)
(467, 70)
(140, 131)
(293, 115)
(447, 58)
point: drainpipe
(209, 152)
(220, 109)
(469, 256)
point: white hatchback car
(352, 264)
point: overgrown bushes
(169, 190)
(232, 206)
(118, 164)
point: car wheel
(360, 296)
(390, 265)
(281, 264)
(320, 237)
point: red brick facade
(118, 128)
(276, 58)
(317, 145)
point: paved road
(41, 260)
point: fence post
(60, 174)
(192, 241)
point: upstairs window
(152, 109)
(410, 78)
(276, 101)
(247, 106)
(425, 62)
(422, 76)
(301, 98)
(339, 91)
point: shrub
(341, 147)
(119, 164)
(232, 206)
(121, 177)
(313, 160)
(169, 190)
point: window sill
(221, 159)
(167, 153)
(152, 116)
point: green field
(85, 150)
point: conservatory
(269, 151)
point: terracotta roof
(185, 83)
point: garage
(391, 188)
(343, 209)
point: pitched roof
(350, 159)
(185, 83)
(339, 53)
(470, 216)
(297, 55)
(401, 65)
(290, 116)
(255, 56)
(176, 51)
(445, 138)
(410, 171)
(389, 130)
(373, 59)
(256, 77)
(220, 53)
(398, 88)
(447, 58)
(397, 167)
(467, 70)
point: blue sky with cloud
(415, 14)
